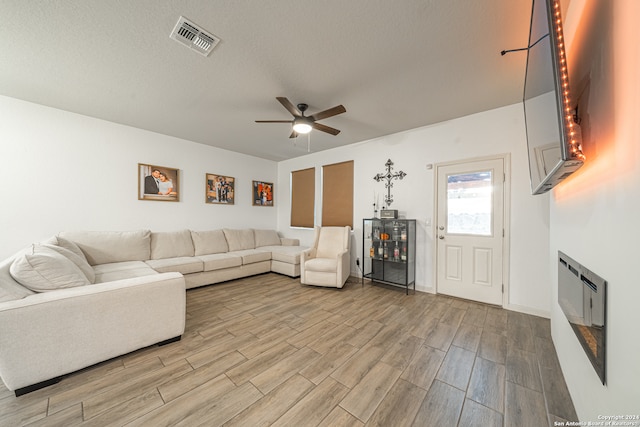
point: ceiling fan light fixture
(302, 126)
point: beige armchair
(327, 262)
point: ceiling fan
(303, 124)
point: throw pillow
(72, 246)
(46, 270)
(82, 263)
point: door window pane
(469, 203)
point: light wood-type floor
(268, 351)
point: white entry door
(470, 230)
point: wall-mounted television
(553, 136)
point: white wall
(66, 171)
(594, 215)
(63, 171)
(493, 132)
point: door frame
(506, 254)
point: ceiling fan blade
(294, 134)
(289, 106)
(338, 109)
(325, 128)
(274, 121)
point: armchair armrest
(304, 257)
(307, 254)
(344, 267)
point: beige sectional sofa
(83, 297)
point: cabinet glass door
(373, 263)
(394, 246)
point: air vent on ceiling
(190, 35)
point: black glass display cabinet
(389, 251)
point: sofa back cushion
(104, 247)
(171, 244)
(239, 240)
(209, 242)
(266, 238)
(44, 269)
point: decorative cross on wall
(388, 199)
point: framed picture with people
(262, 193)
(158, 183)
(220, 189)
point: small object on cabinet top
(389, 213)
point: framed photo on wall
(262, 193)
(220, 189)
(158, 183)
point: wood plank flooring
(267, 351)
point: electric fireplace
(582, 295)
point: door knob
(441, 237)
(441, 227)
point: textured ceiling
(394, 65)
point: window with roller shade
(303, 194)
(337, 194)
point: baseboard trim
(528, 310)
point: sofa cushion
(10, 289)
(184, 265)
(249, 256)
(288, 254)
(266, 238)
(81, 262)
(46, 270)
(122, 270)
(239, 240)
(171, 244)
(209, 242)
(220, 261)
(15, 292)
(105, 247)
